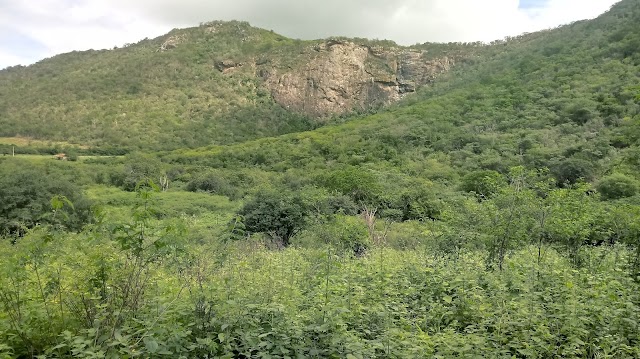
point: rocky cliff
(337, 76)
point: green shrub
(572, 170)
(139, 168)
(211, 182)
(347, 233)
(30, 197)
(418, 203)
(355, 182)
(279, 215)
(617, 186)
(483, 183)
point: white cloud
(7, 59)
(58, 26)
(565, 11)
(64, 25)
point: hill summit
(220, 82)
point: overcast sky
(31, 30)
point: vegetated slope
(523, 267)
(566, 99)
(219, 83)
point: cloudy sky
(35, 29)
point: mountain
(225, 94)
(566, 99)
(353, 198)
(218, 83)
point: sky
(36, 29)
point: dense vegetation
(495, 213)
(162, 93)
(141, 97)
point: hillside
(471, 201)
(566, 99)
(221, 82)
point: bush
(347, 233)
(572, 170)
(140, 168)
(357, 183)
(277, 214)
(617, 186)
(29, 198)
(211, 182)
(341, 204)
(416, 203)
(483, 183)
(72, 154)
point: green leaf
(150, 344)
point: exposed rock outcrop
(341, 76)
(226, 66)
(172, 42)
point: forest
(494, 213)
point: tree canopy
(31, 196)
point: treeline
(8, 149)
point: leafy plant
(279, 215)
(617, 186)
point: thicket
(32, 196)
(534, 271)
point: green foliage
(484, 183)
(139, 168)
(72, 154)
(572, 170)
(418, 202)
(338, 203)
(30, 197)
(357, 183)
(345, 233)
(80, 290)
(278, 214)
(305, 303)
(212, 182)
(572, 220)
(617, 186)
(395, 258)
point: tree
(211, 182)
(572, 219)
(139, 169)
(617, 186)
(415, 203)
(572, 170)
(277, 214)
(511, 222)
(361, 185)
(29, 197)
(484, 183)
(347, 233)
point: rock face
(226, 66)
(340, 76)
(172, 42)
